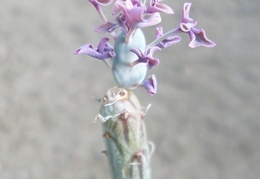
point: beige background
(204, 119)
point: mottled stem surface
(124, 131)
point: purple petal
(159, 32)
(198, 38)
(186, 13)
(155, 6)
(169, 41)
(88, 50)
(116, 8)
(151, 85)
(101, 2)
(152, 62)
(186, 26)
(136, 16)
(102, 52)
(107, 27)
(146, 58)
(137, 52)
(186, 22)
(102, 44)
(150, 19)
(84, 49)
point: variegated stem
(124, 131)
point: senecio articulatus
(129, 58)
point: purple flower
(171, 40)
(146, 58)
(197, 36)
(116, 8)
(101, 2)
(107, 27)
(131, 56)
(98, 3)
(155, 6)
(102, 52)
(136, 17)
(150, 85)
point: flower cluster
(130, 55)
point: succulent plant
(128, 149)
(129, 58)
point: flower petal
(85, 49)
(151, 85)
(186, 13)
(102, 52)
(147, 58)
(101, 2)
(186, 26)
(155, 6)
(198, 38)
(107, 27)
(169, 41)
(135, 16)
(150, 19)
(159, 32)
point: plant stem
(127, 147)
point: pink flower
(151, 85)
(155, 6)
(101, 52)
(197, 36)
(146, 58)
(101, 2)
(166, 42)
(135, 16)
(107, 27)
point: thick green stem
(124, 131)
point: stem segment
(127, 147)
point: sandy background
(204, 119)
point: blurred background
(204, 119)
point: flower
(150, 85)
(101, 2)
(107, 27)
(168, 41)
(135, 17)
(131, 57)
(102, 52)
(98, 3)
(155, 6)
(197, 36)
(146, 58)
